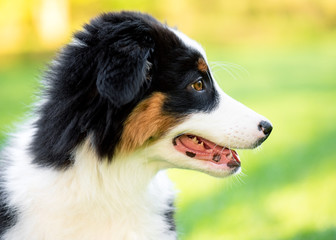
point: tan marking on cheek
(147, 120)
(201, 65)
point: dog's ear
(123, 67)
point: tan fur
(201, 65)
(146, 121)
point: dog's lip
(200, 148)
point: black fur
(169, 215)
(8, 214)
(93, 87)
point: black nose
(266, 127)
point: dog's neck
(123, 199)
(125, 177)
(128, 190)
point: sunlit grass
(18, 83)
(305, 205)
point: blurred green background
(276, 56)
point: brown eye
(198, 86)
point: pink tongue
(203, 149)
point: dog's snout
(265, 127)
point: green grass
(18, 84)
(288, 189)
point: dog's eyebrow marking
(190, 154)
(201, 65)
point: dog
(126, 99)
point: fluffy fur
(128, 98)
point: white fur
(189, 42)
(91, 200)
(77, 43)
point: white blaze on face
(230, 124)
(189, 42)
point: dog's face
(140, 86)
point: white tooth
(202, 144)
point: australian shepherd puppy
(127, 98)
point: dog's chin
(215, 170)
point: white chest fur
(126, 199)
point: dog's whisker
(231, 65)
(229, 72)
(232, 69)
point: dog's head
(130, 84)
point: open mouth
(202, 149)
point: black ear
(123, 68)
